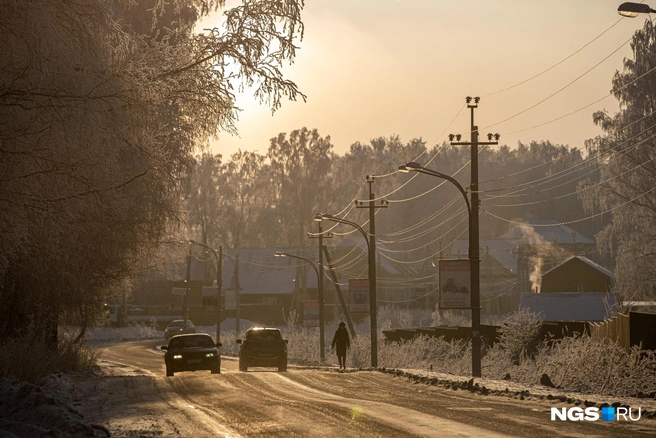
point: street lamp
(474, 273)
(219, 281)
(320, 298)
(631, 10)
(372, 282)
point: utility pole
(373, 310)
(439, 287)
(219, 290)
(345, 309)
(185, 315)
(474, 240)
(320, 235)
(237, 331)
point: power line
(561, 89)
(556, 64)
(586, 163)
(423, 221)
(575, 220)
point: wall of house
(575, 276)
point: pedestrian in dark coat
(341, 343)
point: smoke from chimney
(541, 249)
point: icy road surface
(136, 399)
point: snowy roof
(500, 250)
(262, 273)
(571, 306)
(587, 261)
(547, 231)
(389, 266)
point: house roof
(386, 264)
(262, 273)
(500, 250)
(584, 260)
(571, 306)
(546, 231)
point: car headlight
(209, 355)
(177, 356)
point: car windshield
(191, 342)
(263, 335)
(180, 323)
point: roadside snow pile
(134, 332)
(138, 332)
(27, 410)
(504, 388)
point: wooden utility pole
(345, 309)
(185, 315)
(474, 240)
(237, 290)
(373, 306)
(322, 321)
(219, 291)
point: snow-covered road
(136, 399)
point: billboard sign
(310, 313)
(209, 297)
(230, 299)
(455, 284)
(177, 297)
(359, 295)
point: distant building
(577, 274)
(514, 262)
(269, 286)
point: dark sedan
(178, 327)
(192, 352)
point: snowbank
(27, 410)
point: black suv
(262, 347)
(191, 353)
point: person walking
(341, 343)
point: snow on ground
(519, 391)
(27, 410)
(138, 332)
(51, 409)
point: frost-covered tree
(103, 104)
(626, 156)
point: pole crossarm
(473, 209)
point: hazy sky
(375, 68)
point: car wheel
(243, 366)
(169, 372)
(282, 367)
(216, 370)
